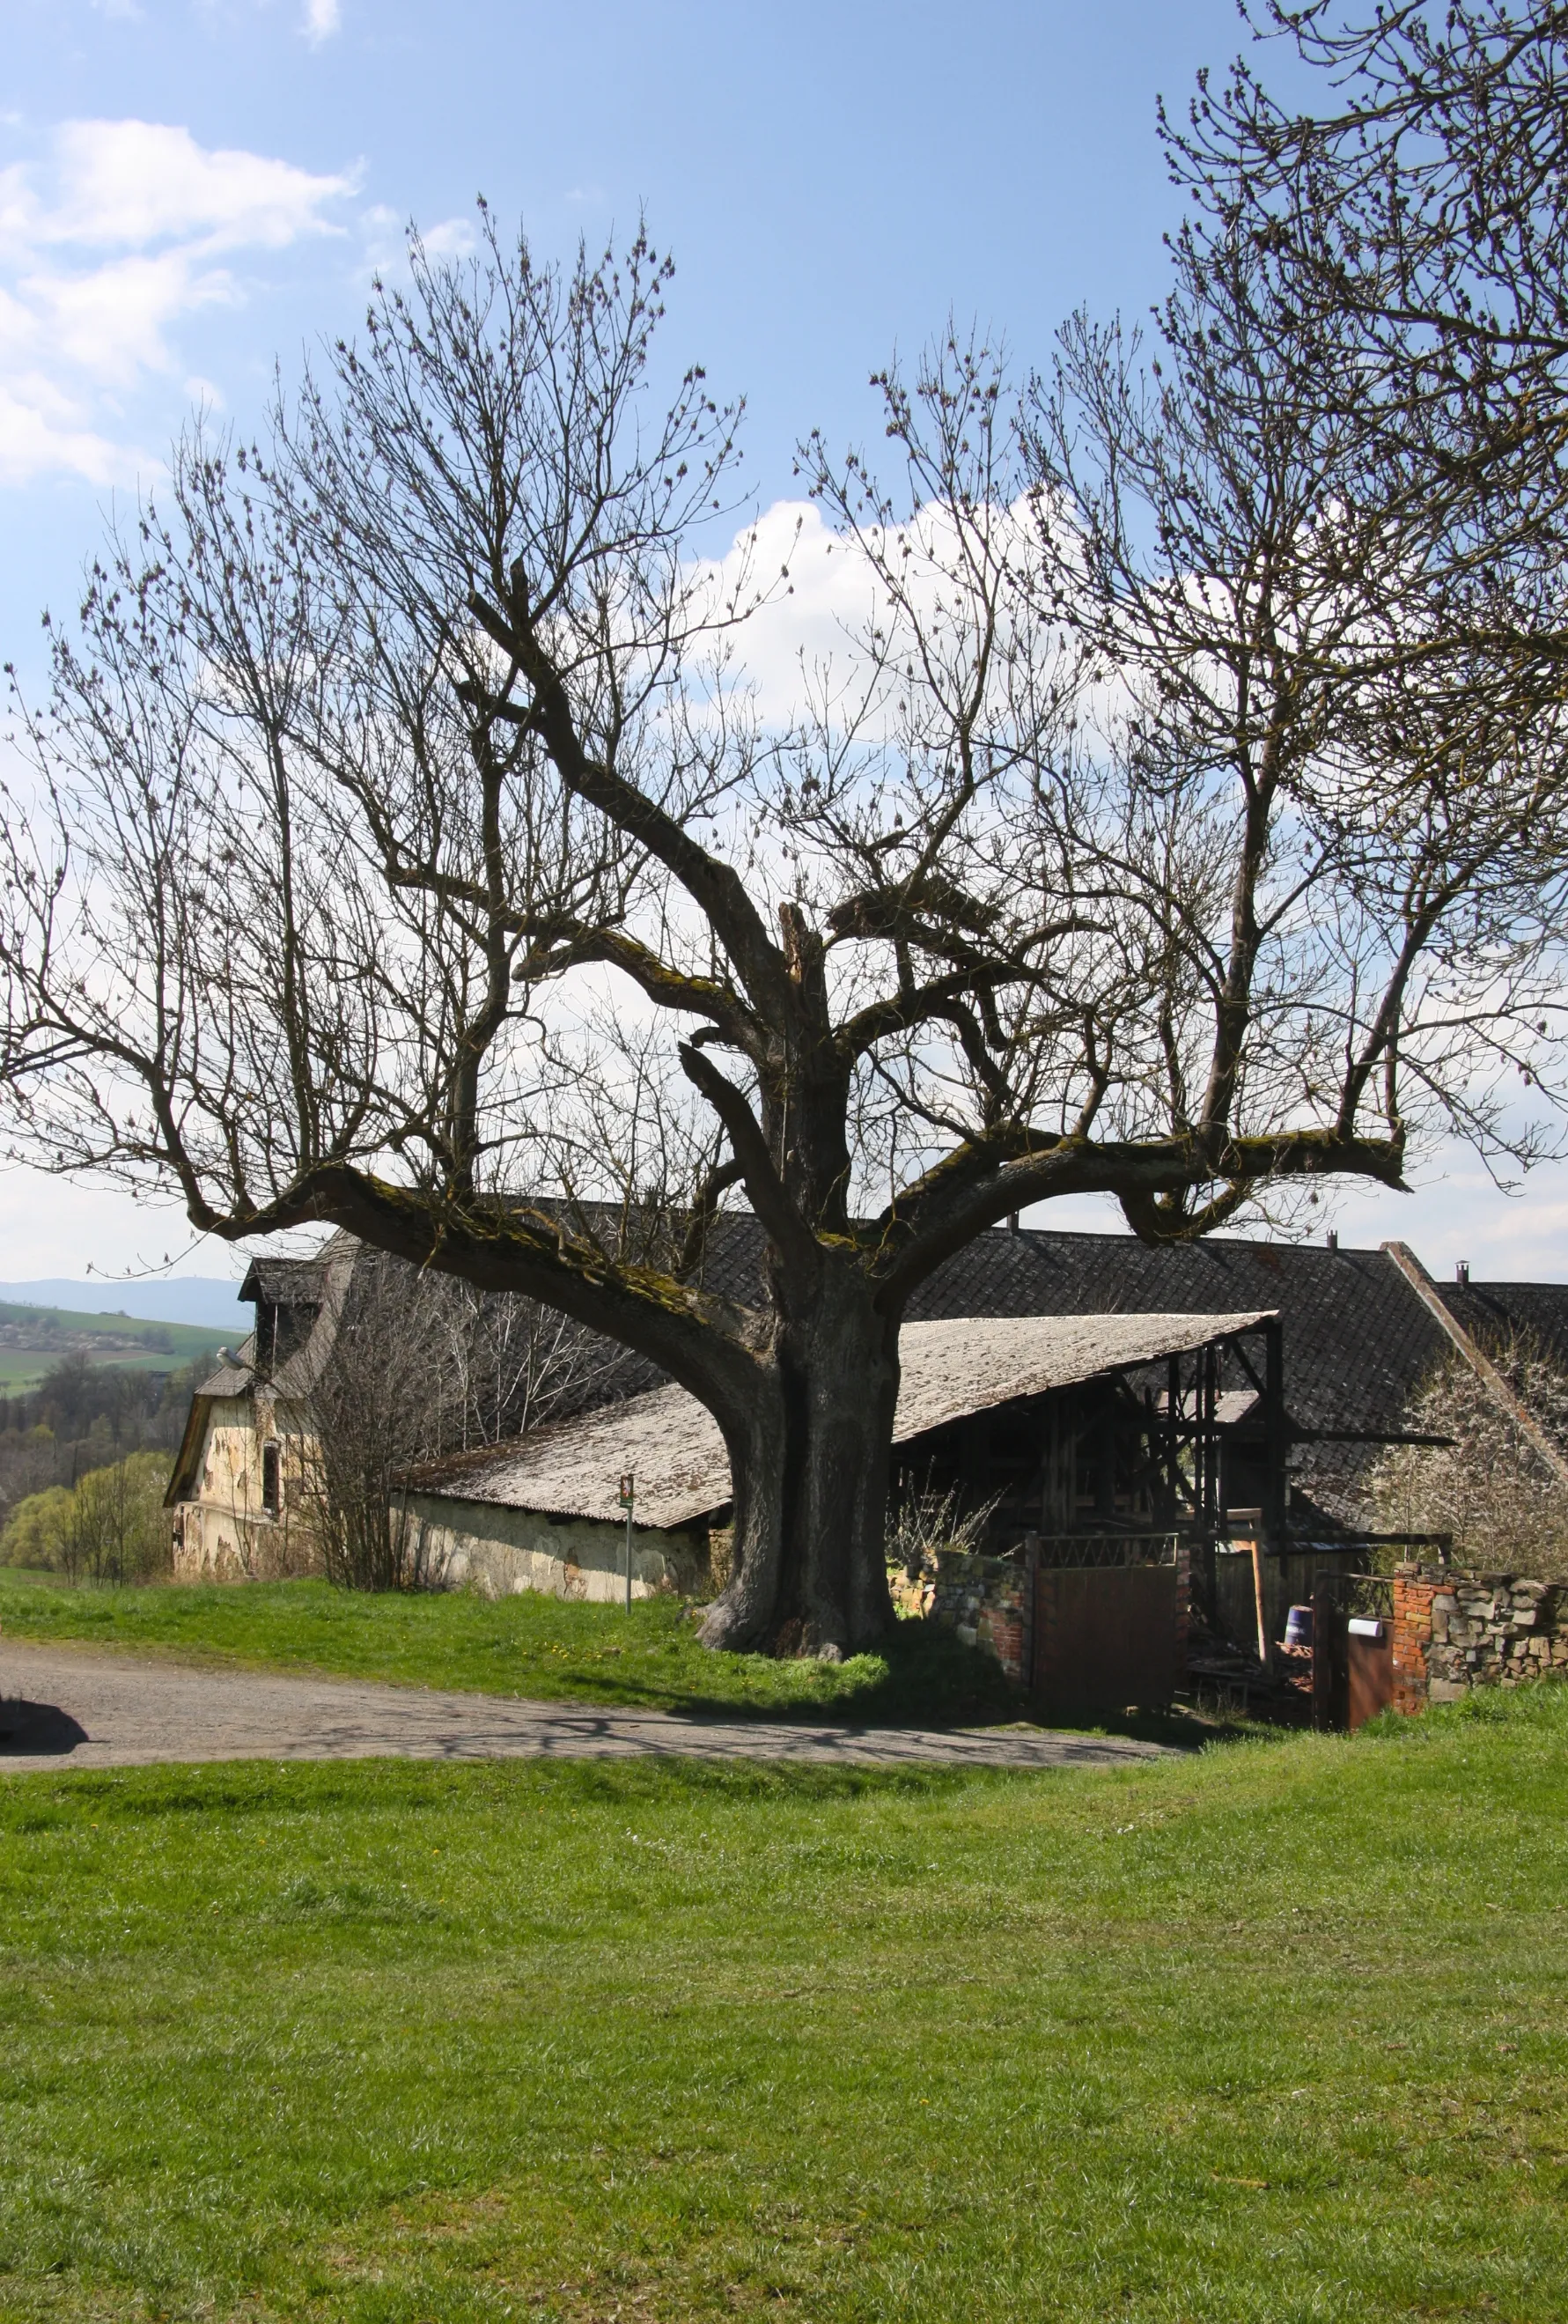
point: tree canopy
(1182, 820)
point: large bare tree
(406, 852)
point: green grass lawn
(1273, 2032)
(542, 1648)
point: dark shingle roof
(1357, 1338)
(285, 1282)
(1492, 1313)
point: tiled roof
(285, 1282)
(1357, 1338)
(1492, 1313)
(229, 1380)
(673, 1447)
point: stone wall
(1452, 1632)
(988, 1602)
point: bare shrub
(117, 1527)
(1489, 1487)
(422, 1366)
(506, 1363)
(919, 1527)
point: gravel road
(61, 1707)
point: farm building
(1061, 1422)
(1068, 1384)
(237, 1493)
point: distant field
(37, 1337)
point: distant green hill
(32, 1339)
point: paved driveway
(61, 1707)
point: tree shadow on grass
(921, 1676)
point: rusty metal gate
(1104, 1636)
(1352, 1652)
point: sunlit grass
(1275, 2033)
(547, 1649)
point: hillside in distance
(34, 1336)
(209, 1300)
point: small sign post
(628, 1495)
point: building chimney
(1334, 1238)
(1462, 1270)
(1012, 1222)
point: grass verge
(1273, 2033)
(544, 1649)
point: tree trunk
(810, 1474)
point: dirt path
(84, 1710)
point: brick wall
(1412, 1635)
(1452, 1632)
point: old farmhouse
(1068, 1384)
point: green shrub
(34, 1532)
(110, 1526)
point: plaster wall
(484, 1545)
(225, 1533)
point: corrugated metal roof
(573, 1468)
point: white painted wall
(480, 1545)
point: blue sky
(191, 188)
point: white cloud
(386, 234)
(322, 19)
(813, 618)
(821, 593)
(121, 234)
(128, 183)
(109, 325)
(35, 437)
(452, 237)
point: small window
(271, 1465)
